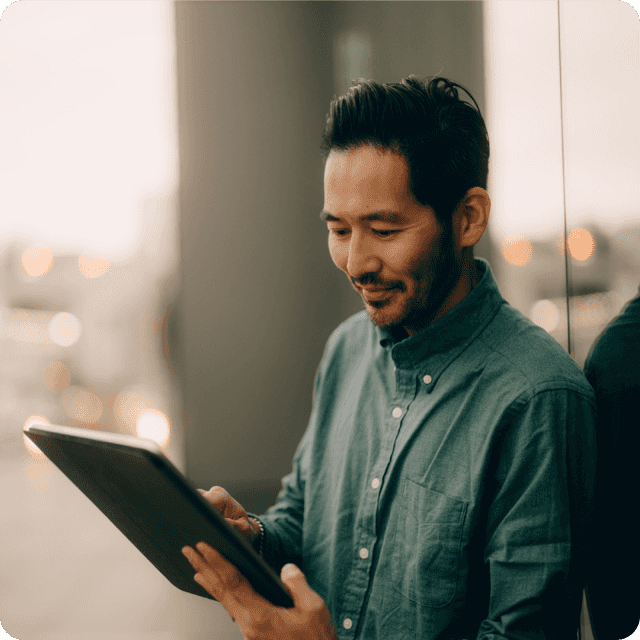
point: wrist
(258, 530)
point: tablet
(132, 482)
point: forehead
(366, 177)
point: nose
(362, 257)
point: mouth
(377, 295)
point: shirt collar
(448, 335)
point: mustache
(370, 280)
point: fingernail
(289, 569)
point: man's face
(391, 247)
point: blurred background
(164, 273)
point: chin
(384, 318)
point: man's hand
(256, 617)
(232, 510)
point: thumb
(293, 578)
(303, 595)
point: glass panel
(525, 173)
(88, 278)
(601, 102)
(88, 247)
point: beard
(436, 279)
(434, 287)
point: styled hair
(442, 138)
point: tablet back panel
(156, 507)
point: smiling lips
(375, 295)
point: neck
(474, 276)
(468, 280)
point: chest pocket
(427, 545)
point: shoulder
(614, 359)
(351, 340)
(525, 358)
(351, 335)
(350, 348)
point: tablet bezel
(261, 576)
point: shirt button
(427, 379)
(364, 553)
(397, 412)
(346, 623)
(375, 483)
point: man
(442, 488)
(613, 369)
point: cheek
(411, 264)
(339, 254)
(401, 260)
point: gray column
(260, 294)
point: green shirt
(443, 487)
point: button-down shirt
(443, 486)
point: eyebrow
(391, 217)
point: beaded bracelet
(261, 534)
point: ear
(472, 216)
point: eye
(381, 233)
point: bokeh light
(65, 329)
(57, 376)
(129, 405)
(33, 450)
(516, 250)
(581, 244)
(545, 314)
(36, 261)
(153, 424)
(93, 266)
(82, 405)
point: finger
(244, 526)
(238, 592)
(222, 501)
(201, 565)
(227, 585)
(303, 595)
(205, 575)
(224, 507)
(212, 566)
(231, 578)
(210, 584)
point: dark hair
(443, 138)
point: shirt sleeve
(283, 522)
(539, 512)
